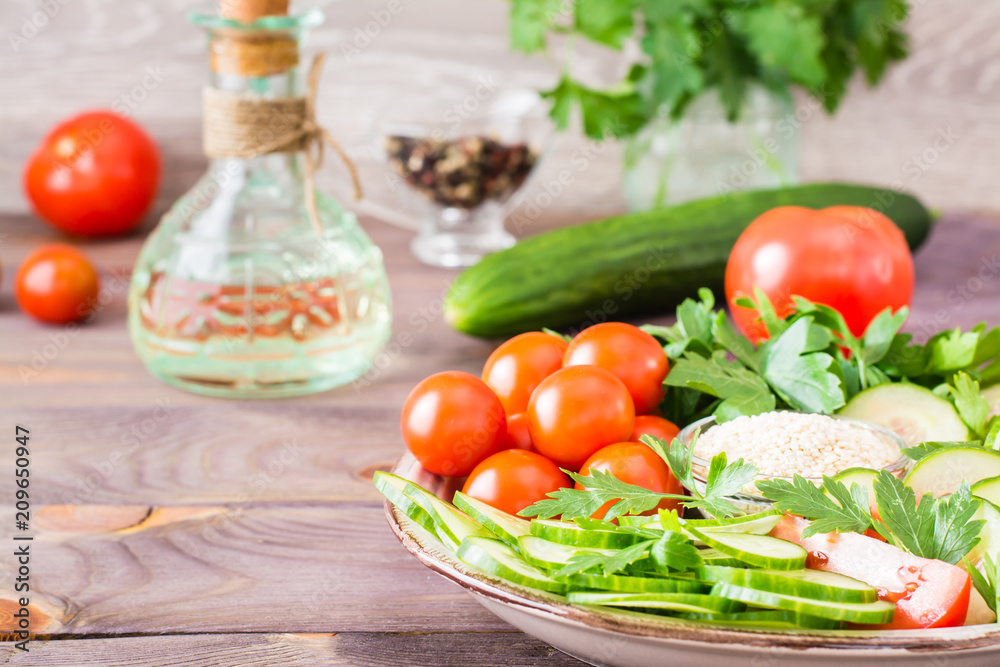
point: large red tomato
(851, 258)
(576, 411)
(95, 174)
(451, 421)
(513, 479)
(634, 463)
(57, 284)
(516, 367)
(630, 353)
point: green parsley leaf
(951, 351)
(986, 580)
(605, 21)
(972, 406)
(529, 21)
(802, 497)
(955, 533)
(673, 75)
(768, 317)
(676, 455)
(939, 528)
(604, 114)
(786, 39)
(723, 479)
(799, 373)
(675, 552)
(608, 564)
(693, 330)
(601, 487)
(880, 333)
(736, 344)
(742, 391)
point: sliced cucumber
(569, 533)
(505, 526)
(913, 412)
(989, 535)
(814, 584)
(992, 396)
(552, 555)
(627, 584)
(778, 618)
(851, 612)
(863, 476)
(497, 558)
(451, 525)
(392, 487)
(942, 472)
(757, 550)
(716, 557)
(988, 489)
(691, 603)
(759, 523)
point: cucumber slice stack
(745, 578)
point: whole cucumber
(638, 263)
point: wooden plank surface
(352, 649)
(162, 516)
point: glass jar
(703, 154)
(237, 293)
(460, 174)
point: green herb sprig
(692, 46)
(940, 528)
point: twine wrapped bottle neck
(239, 125)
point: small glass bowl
(752, 503)
(462, 165)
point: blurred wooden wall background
(144, 55)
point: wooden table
(175, 529)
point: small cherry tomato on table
(851, 258)
(520, 364)
(634, 463)
(95, 174)
(576, 411)
(451, 421)
(658, 427)
(57, 284)
(631, 354)
(513, 479)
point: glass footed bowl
(459, 165)
(752, 502)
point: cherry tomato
(57, 284)
(851, 258)
(451, 421)
(516, 367)
(95, 174)
(576, 411)
(634, 463)
(658, 427)
(513, 479)
(517, 433)
(630, 353)
(927, 593)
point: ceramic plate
(631, 639)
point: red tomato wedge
(927, 593)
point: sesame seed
(782, 444)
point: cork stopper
(252, 53)
(249, 11)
